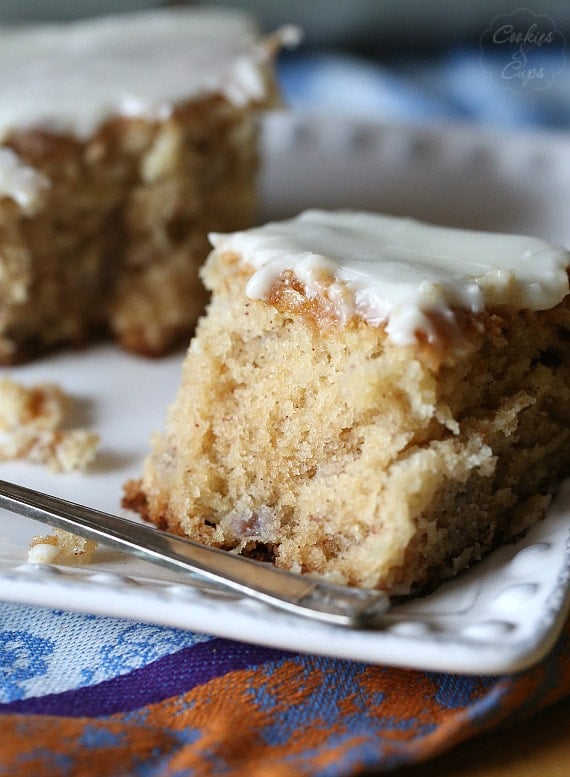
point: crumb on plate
(61, 547)
(31, 420)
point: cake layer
(319, 443)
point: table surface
(539, 747)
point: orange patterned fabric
(224, 708)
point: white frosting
(43, 553)
(397, 271)
(72, 76)
(20, 182)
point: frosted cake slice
(369, 399)
(123, 141)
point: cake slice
(369, 399)
(123, 141)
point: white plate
(502, 615)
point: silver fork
(299, 594)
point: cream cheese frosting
(398, 272)
(72, 76)
(20, 182)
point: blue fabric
(463, 84)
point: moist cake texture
(370, 400)
(123, 141)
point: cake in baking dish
(123, 141)
(369, 399)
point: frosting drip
(398, 272)
(20, 182)
(71, 77)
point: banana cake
(369, 399)
(123, 141)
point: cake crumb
(61, 547)
(31, 420)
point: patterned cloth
(86, 696)
(459, 85)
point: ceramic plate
(502, 615)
